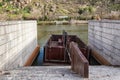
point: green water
(44, 31)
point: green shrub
(1, 4)
(27, 9)
(88, 9)
(45, 18)
(81, 11)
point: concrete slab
(61, 73)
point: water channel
(44, 32)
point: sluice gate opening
(66, 50)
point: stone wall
(18, 39)
(104, 38)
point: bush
(45, 18)
(27, 9)
(1, 4)
(81, 11)
(88, 9)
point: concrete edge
(99, 57)
(105, 21)
(32, 56)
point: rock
(37, 4)
(1, 0)
(53, 8)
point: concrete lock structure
(18, 40)
(104, 40)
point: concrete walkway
(60, 73)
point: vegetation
(88, 9)
(115, 7)
(51, 10)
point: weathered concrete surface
(18, 39)
(104, 37)
(60, 73)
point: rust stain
(99, 58)
(32, 56)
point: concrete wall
(18, 39)
(104, 37)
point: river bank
(64, 22)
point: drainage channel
(93, 61)
(39, 59)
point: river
(44, 31)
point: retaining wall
(104, 38)
(18, 39)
